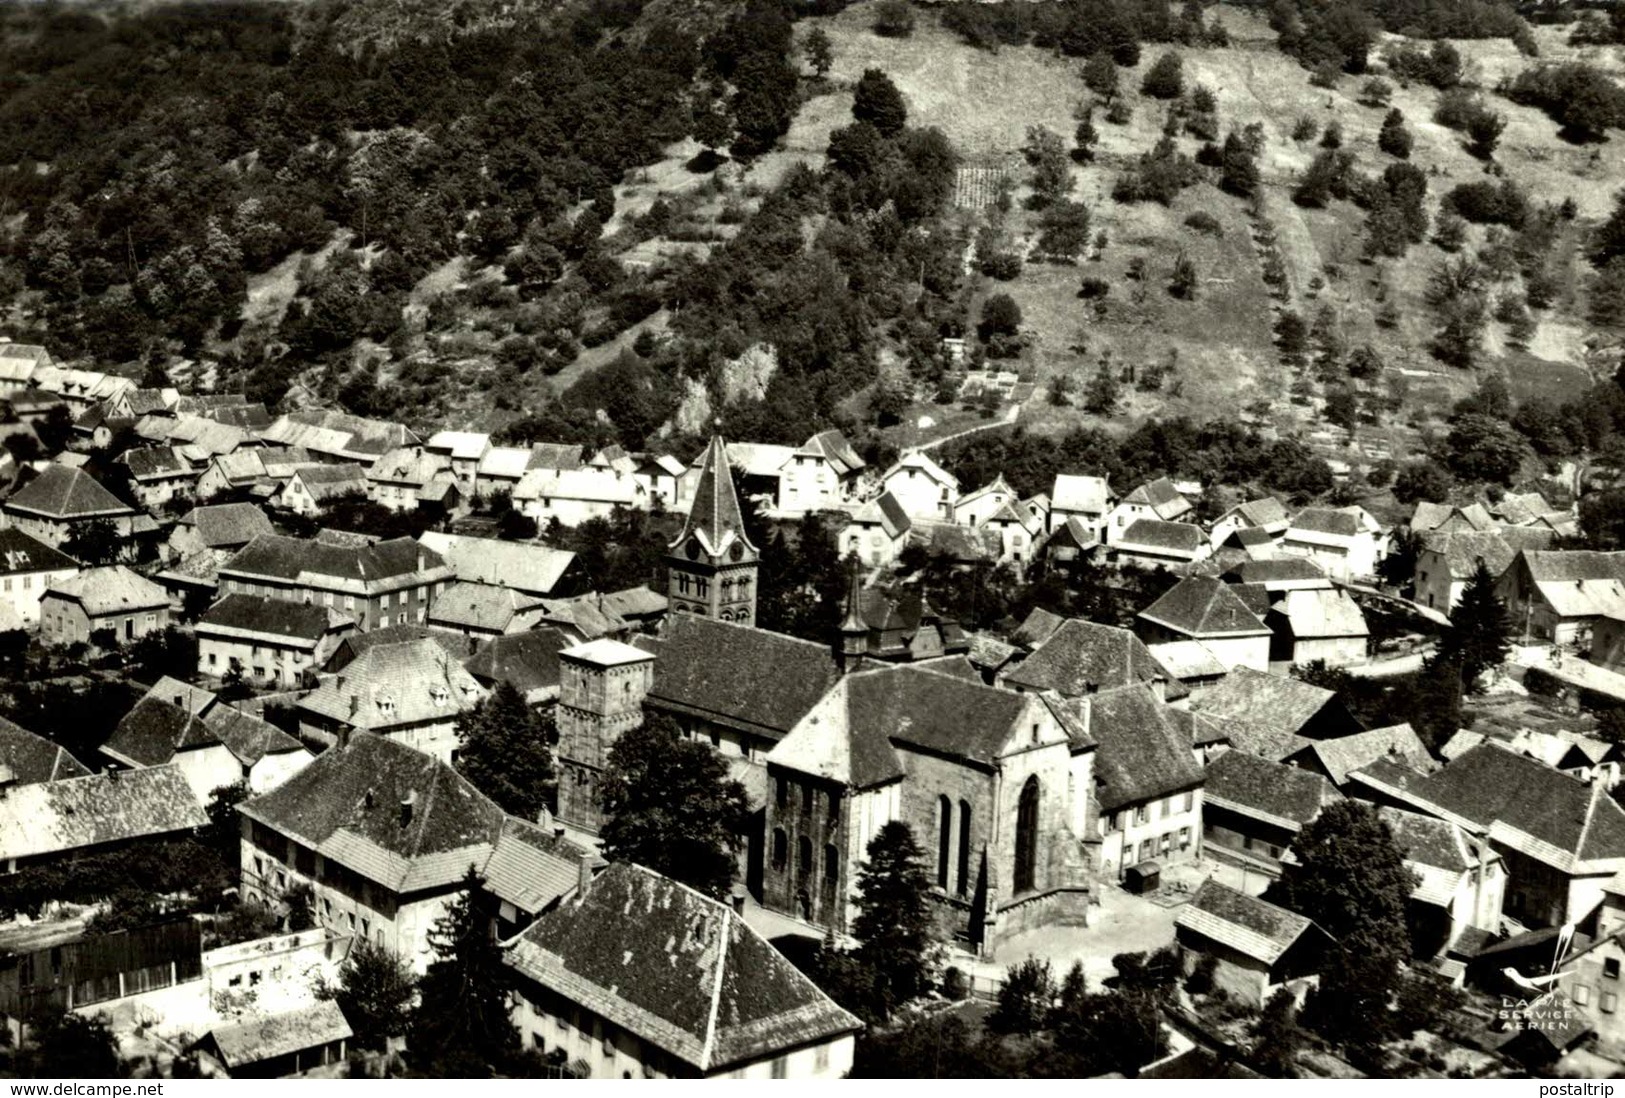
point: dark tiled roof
(1155, 493)
(278, 617)
(714, 515)
(1257, 928)
(32, 758)
(841, 743)
(348, 805)
(63, 493)
(226, 525)
(1247, 782)
(248, 737)
(526, 661)
(1281, 569)
(153, 731)
(150, 462)
(288, 558)
(1200, 606)
(531, 868)
(1141, 755)
(1427, 840)
(78, 813)
(354, 646)
(1181, 537)
(1036, 628)
(21, 553)
(1326, 520)
(1344, 754)
(737, 674)
(680, 971)
(1263, 714)
(940, 714)
(1081, 657)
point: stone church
(831, 743)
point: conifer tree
(894, 915)
(461, 1027)
(1480, 632)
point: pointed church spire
(715, 512)
(854, 638)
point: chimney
(112, 773)
(1159, 687)
(367, 799)
(408, 803)
(584, 871)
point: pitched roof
(1081, 657)
(1161, 496)
(714, 516)
(1262, 512)
(154, 731)
(63, 493)
(1463, 549)
(1279, 572)
(1341, 755)
(531, 868)
(1256, 928)
(353, 646)
(1201, 606)
(1076, 492)
(837, 742)
(834, 448)
(461, 445)
(21, 553)
(482, 607)
(408, 465)
(1321, 523)
(113, 589)
(155, 463)
(75, 813)
(248, 737)
(347, 805)
(1188, 659)
(884, 511)
(1322, 612)
(390, 685)
(677, 969)
(588, 483)
(1579, 582)
(1264, 714)
(29, 758)
(1037, 627)
(1443, 516)
(1141, 756)
(1155, 534)
(939, 714)
(268, 617)
(261, 1037)
(524, 566)
(738, 675)
(225, 525)
(920, 462)
(1279, 794)
(298, 558)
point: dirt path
(1005, 420)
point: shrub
(1305, 129)
(1166, 78)
(1205, 223)
(1456, 108)
(1094, 288)
(1585, 102)
(1003, 266)
(894, 19)
(1487, 203)
(1120, 113)
(1332, 136)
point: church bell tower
(711, 567)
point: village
(1133, 801)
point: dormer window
(439, 695)
(386, 704)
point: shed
(1143, 878)
(275, 1045)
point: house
(402, 478)
(134, 403)
(242, 471)
(877, 532)
(1254, 808)
(465, 450)
(528, 662)
(905, 628)
(1071, 541)
(213, 744)
(1156, 500)
(313, 487)
(274, 1046)
(483, 610)
(26, 758)
(352, 647)
(269, 643)
(1460, 879)
(382, 833)
(1345, 541)
(1559, 595)
(338, 436)
(959, 546)
(159, 474)
(976, 507)
(1445, 518)
(56, 965)
(1259, 948)
(1084, 498)
(1324, 624)
(1189, 662)
(1201, 608)
(18, 364)
(27, 567)
(502, 467)
(411, 691)
(1278, 575)
(1152, 543)
(572, 496)
(1447, 560)
(1148, 787)
(530, 872)
(54, 504)
(377, 584)
(959, 762)
(637, 976)
(59, 822)
(1081, 657)
(1266, 514)
(1273, 716)
(1337, 758)
(1561, 839)
(924, 489)
(112, 598)
(608, 614)
(820, 476)
(528, 567)
(219, 529)
(1018, 532)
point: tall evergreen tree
(672, 807)
(506, 752)
(894, 914)
(1480, 632)
(461, 1027)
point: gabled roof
(1142, 756)
(353, 646)
(924, 710)
(1280, 573)
(1261, 513)
(714, 517)
(1085, 494)
(838, 743)
(482, 607)
(411, 466)
(20, 553)
(678, 970)
(114, 589)
(1327, 525)
(531, 868)
(390, 685)
(155, 463)
(738, 675)
(997, 485)
(66, 494)
(524, 566)
(884, 511)
(1203, 607)
(1579, 582)
(227, 525)
(347, 805)
(529, 661)
(1189, 660)
(1081, 657)
(461, 445)
(1037, 627)
(1443, 516)
(304, 624)
(261, 1037)
(1167, 537)
(154, 731)
(29, 758)
(1342, 755)
(1270, 791)
(77, 813)
(1263, 714)
(1464, 549)
(1253, 927)
(919, 463)
(1321, 612)
(298, 558)
(1437, 852)
(1161, 496)
(833, 447)
(248, 737)
(587, 483)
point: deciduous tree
(506, 751)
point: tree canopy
(506, 751)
